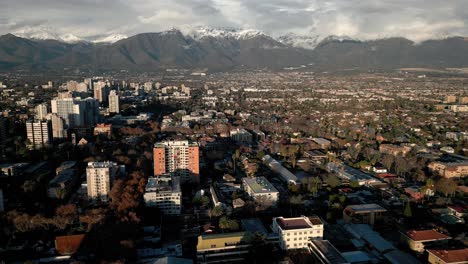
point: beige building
(99, 178)
(417, 240)
(295, 233)
(39, 134)
(114, 104)
(463, 100)
(222, 248)
(450, 99)
(41, 112)
(394, 149)
(450, 169)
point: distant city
(261, 166)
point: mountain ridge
(225, 50)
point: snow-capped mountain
(111, 38)
(300, 41)
(198, 33)
(40, 33)
(310, 41)
(70, 38)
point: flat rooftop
(101, 164)
(362, 208)
(293, 223)
(327, 252)
(259, 185)
(163, 184)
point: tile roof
(451, 256)
(68, 245)
(425, 235)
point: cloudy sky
(365, 19)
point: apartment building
(164, 193)
(296, 232)
(450, 169)
(394, 150)
(177, 158)
(99, 178)
(241, 135)
(114, 103)
(39, 133)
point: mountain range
(225, 49)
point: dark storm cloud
(414, 19)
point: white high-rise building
(99, 178)
(77, 112)
(39, 133)
(164, 193)
(114, 104)
(41, 112)
(101, 91)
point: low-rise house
(222, 248)
(348, 173)
(447, 256)
(394, 150)
(457, 210)
(418, 240)
(285, 175)
(370, 214)
(295, 233)
(325, 253)
(260, 189)
(68, 245)
(323, 143)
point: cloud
(366, 19)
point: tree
(333, 181)
(260, 154)
(217, 211)
(226, 223)
(354, 184)
(387, 161)
(446, 186)
(407, 212)
(313, 185)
